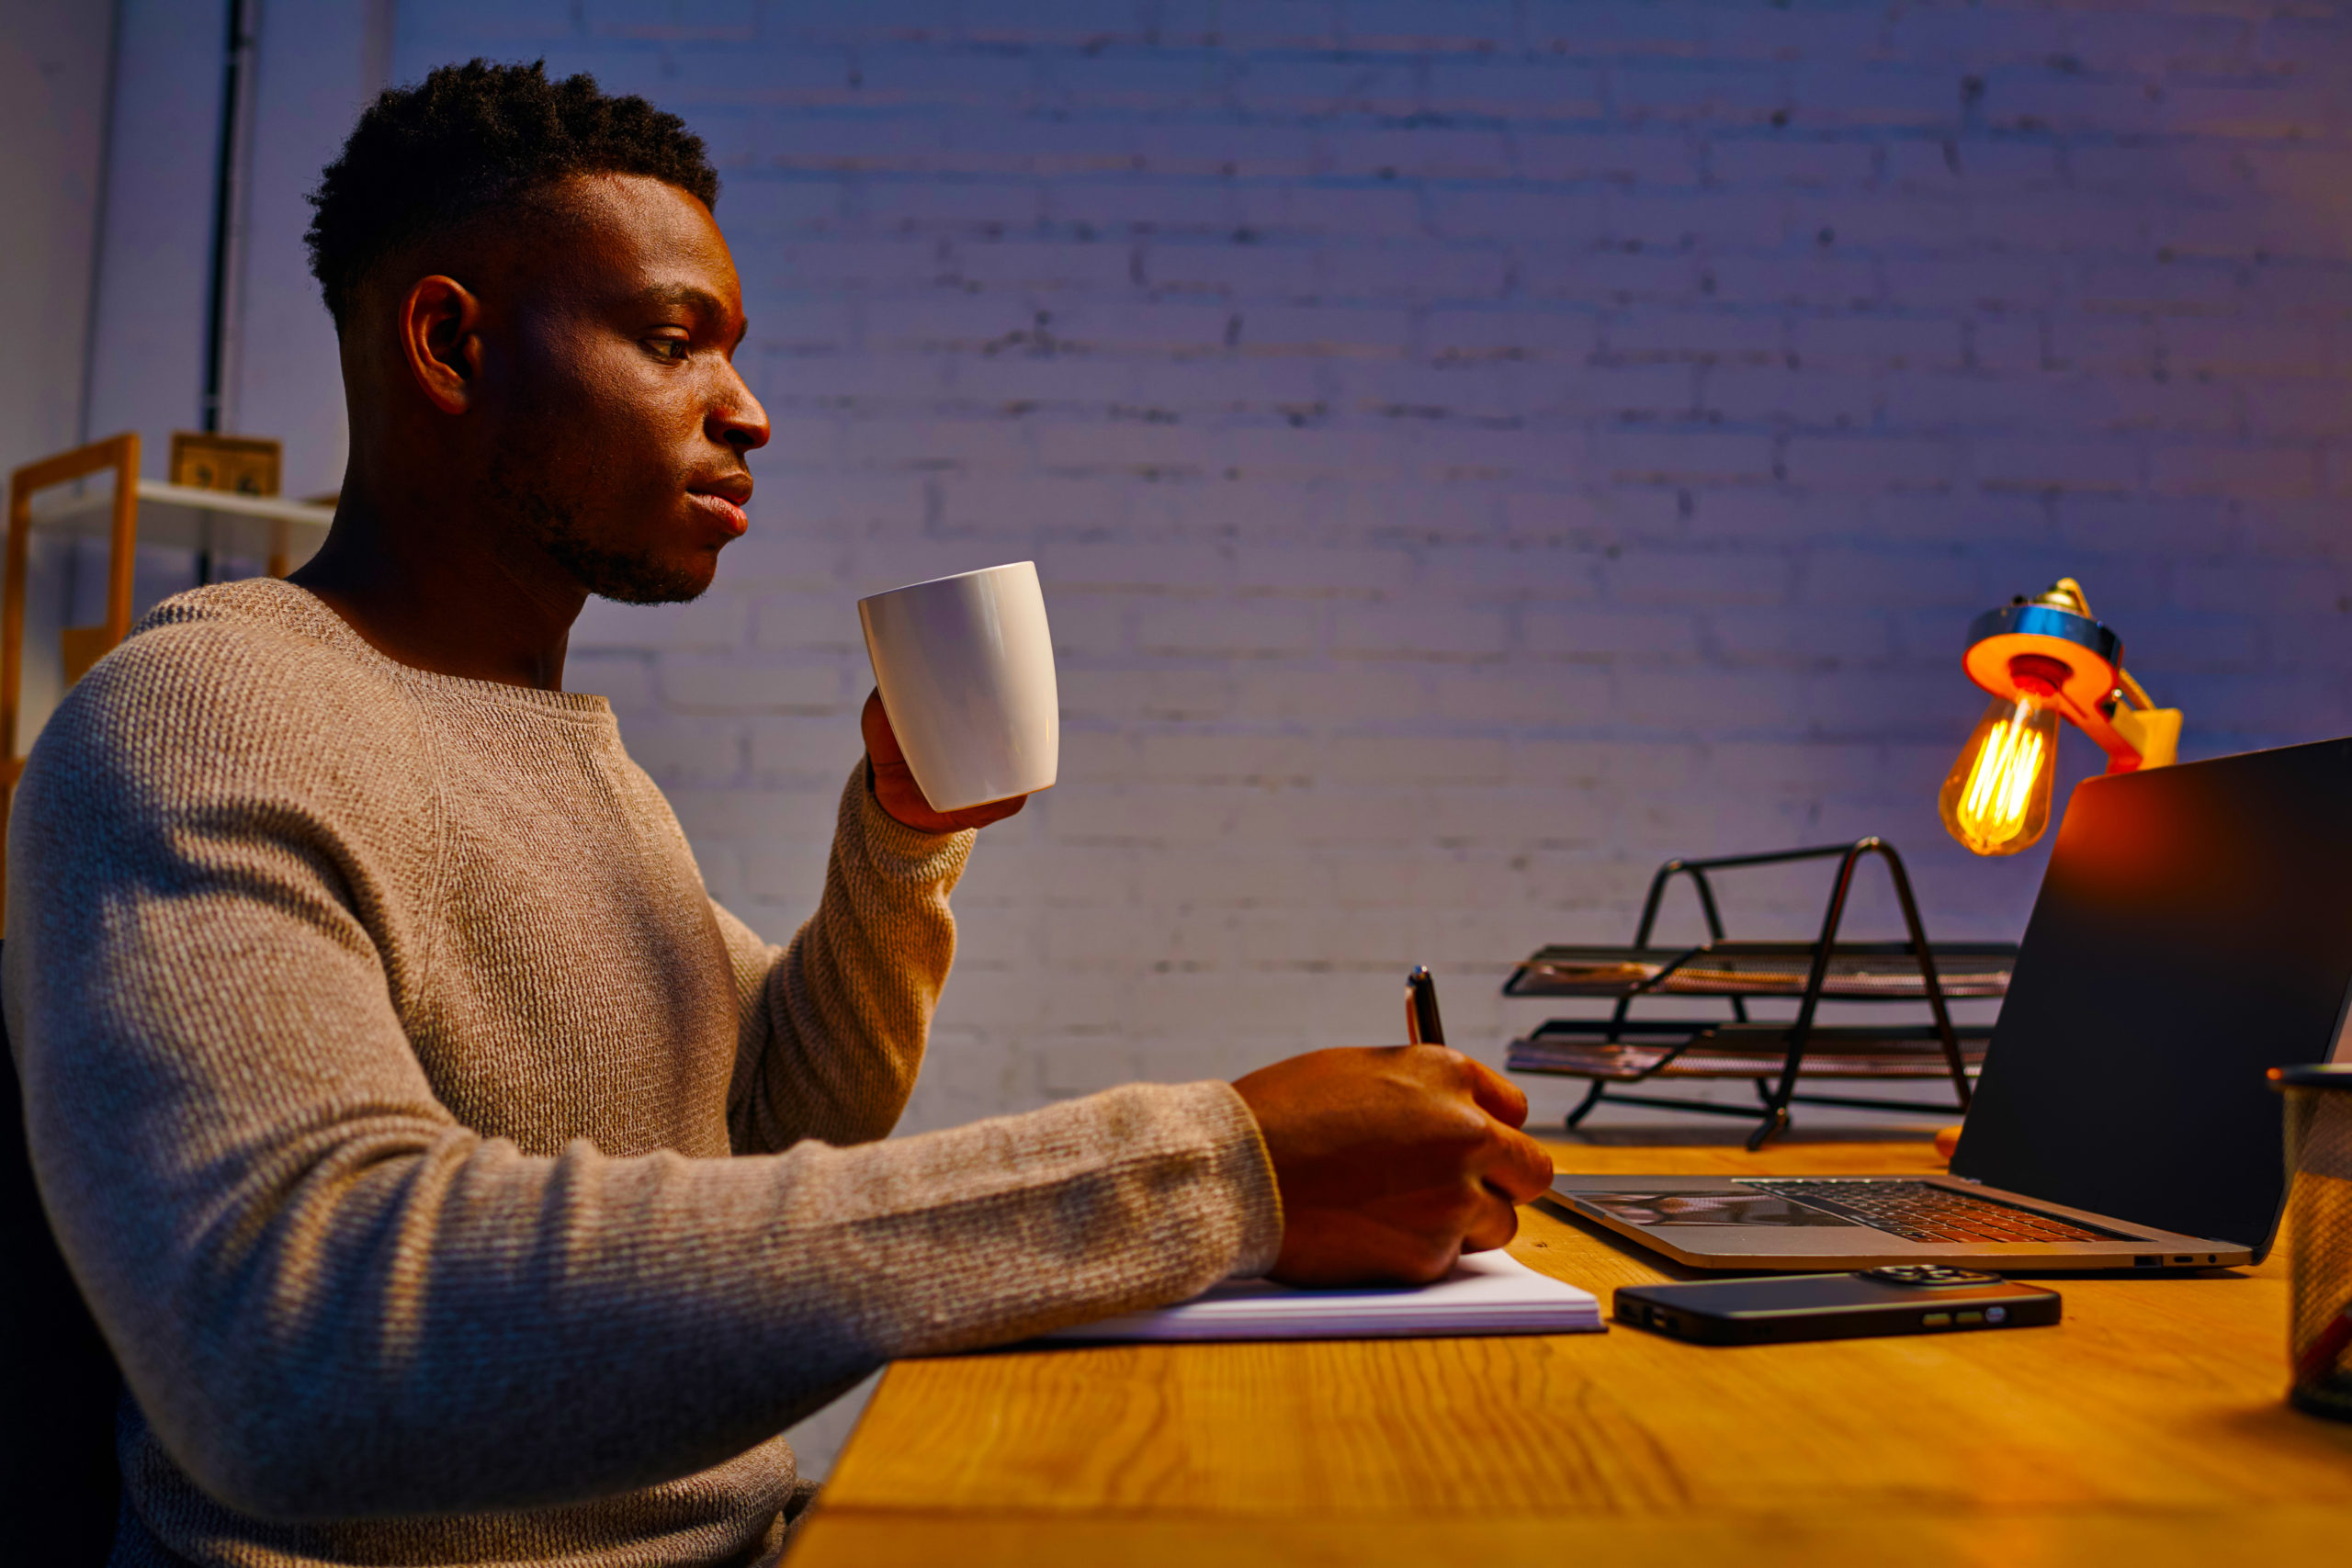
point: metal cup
(2319, 1236)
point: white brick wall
(1475, 450)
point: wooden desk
(2150, 1427)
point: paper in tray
(1487, 1292)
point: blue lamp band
(2084, 647)
(2045, 620)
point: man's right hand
(1392, 1162)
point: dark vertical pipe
(224, 186)
(224, 215)
(99, 219)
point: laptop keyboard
(1918, 1212)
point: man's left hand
(895, 786)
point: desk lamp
(2044, 659)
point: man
(454, 1180)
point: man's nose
(736, 418)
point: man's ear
(440, 324)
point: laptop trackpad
(1705, 1206)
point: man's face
(618, 425)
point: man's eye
(671, 348)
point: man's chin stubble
(629, 579)
(622, 575)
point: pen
(1421, 1025)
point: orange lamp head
(2044, 660)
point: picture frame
(243, 465)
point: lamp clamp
(2048, 649)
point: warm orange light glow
(1996, 799)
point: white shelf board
(182, 518)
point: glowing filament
(1995, 801)
(1997, 798)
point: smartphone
(1904, 1298)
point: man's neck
(428, 592)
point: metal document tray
(1888, 971)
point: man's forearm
(836, 1024)
(430, 1322)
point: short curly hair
(475, 138)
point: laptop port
(2184, 1260)
(2156, 1262)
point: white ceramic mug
(965, 664)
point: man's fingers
(1390, 1159)
(902, 794)
(994, 811)
(1517, 1166)
(874, 727)
(1496, 1222)
(1497, 1095)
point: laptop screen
(2194, 928)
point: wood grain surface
(2153, 1415)
(2157, 1537)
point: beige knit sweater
(454, 1180)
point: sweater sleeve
(332, 1300)
(833, 1025)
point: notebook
(1487, 1292)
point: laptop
(2194, 928)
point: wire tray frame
(1615, 1051)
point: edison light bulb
(1996, 800)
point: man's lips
(724, 502)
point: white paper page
(1487, 1292)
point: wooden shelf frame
(186, 516)
(120, 454)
